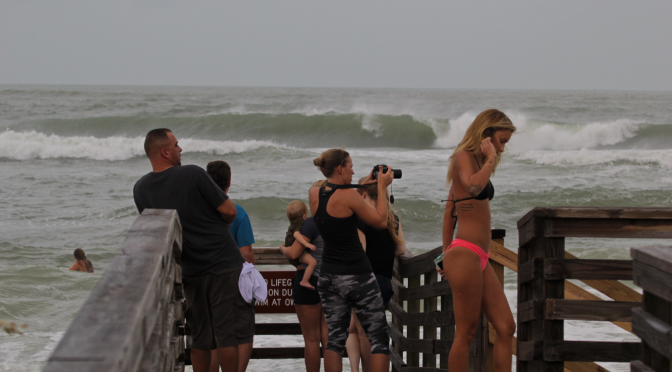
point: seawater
(70, 156)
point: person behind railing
(473, 282)
(307, 301)
(346, 278)
(381, 246)
(81, 262)
(241, 231)
(211, 262)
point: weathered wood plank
(639, 366)
(530, 310)
(396, 360)
(410, 345)
(611, 288)
(556, 269)
(531, 270)
(504, 256)
(662, 310)
(657, 256)
(590, 310)
(423, 369)
(277, 353)
(656, 333)
(609, 228)
(591, 351)
(429, 330)
(432, 318)
(653, 280)
(573, 292)
(277, 329)
(413, 332)
(412, 266)
(128, 315)
(530, 350)
(419, 293)
(597, 212)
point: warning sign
(280, 298)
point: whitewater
(71, 154)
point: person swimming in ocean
(81, 262)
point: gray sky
(434, 44)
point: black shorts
(386, 290)
(216, 312)
(303, 295)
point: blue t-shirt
(241, 228)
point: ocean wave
(35, 145)
(320, 130)
(365, 129)
(539, 135)
(660, 158)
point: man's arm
(228, 211)
(248, 253)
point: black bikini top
(487, 193)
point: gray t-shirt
(309, 230)
(207, 244)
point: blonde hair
(485, 125)
(319, 184)
(296, 210)
(392, 223)
(329, 160)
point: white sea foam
(533, 135)
(661, 158)
(35, 145)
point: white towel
(252, 284)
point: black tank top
(343, 252)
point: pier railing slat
(545, 266)
(653, 321)
(129, 321)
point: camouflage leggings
(340, 295)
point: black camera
(397, 172)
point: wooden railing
(133, 320)
(653, 322)
(418, 292)
(545, 299)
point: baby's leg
(310, 264)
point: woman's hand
(487, 148)
(385, 179)
(443, 275)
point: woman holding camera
(381, 246)
(465, 263)
(346, 278)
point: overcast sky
(624, 45)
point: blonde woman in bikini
(474, 284)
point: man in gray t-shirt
(211, 261)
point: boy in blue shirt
(241, 228)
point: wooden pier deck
(134, 318)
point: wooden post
(413, 332)
(534, 332)
(396, 322)
(497, 237)
(429, 331)
(653, 322)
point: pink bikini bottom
(481, 255)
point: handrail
(546, 299)
(133, 320)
